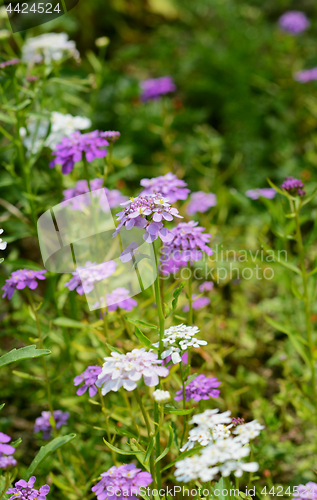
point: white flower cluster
(61, 126)
(161, 397)
(49, 47)
(178, 339)
(3, 244)
(222, 452)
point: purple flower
(255, 194)
(6, 462)
(156, 87)
(11, 62)
(147, 212)
(188, 243)
(200, 388)
(5, 449)
(171, 266)
(111, 135)
(306, 492)
(206, 286)
(124, 370)
(294, 22)
(198, 303)
(89, 377)
(25, 491)
(307, 75)
(32, 79)
(42, 424)
(85, 277)
(293, 186)
(120, 297)
(21, 279)
(237, 421)
(70, 150)
(113, 198)
(201, 202)
(121, 483)
(168, 185)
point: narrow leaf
(27, 352)
(167, 449)
(46, 451)
(121, 452)
(145, 341)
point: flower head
(3, 244)
(178, 339)
(6, 449)
(88, 378)
(113, 197)
(168, 185)
(42, 424)
(124, 370)
(255, 194)
(294, 22)
(293, 186)
(306, 491)
(156, 87)
(187, 244)
(306, 75)
(86, 276)
(125, 481)
(120, 297)
(25, 491)
(197, 304)
(70, 150)
(246, 432)
(201, 202)
(237, 421)
(21, 279)
(111, 135)
(11, 62)
(147, 212)
(49, 47)
(6, 462)
(161, 397)
(201, 387)
(206, 286)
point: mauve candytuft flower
(125, 482)
(237, 421)
(86, 276)
(6, 462)
(206, 286)
(147, 212)
(6, 449)
(306, 491)
(197, 304)
(124, 370)
(201, 202)
(293, 186)
(156, 87)
(25, 491)
(111, 135)
(187, 245)
(200, 388)
(294, 22)
(11, 62)
(168, 185)
(70, 150)
(120, 297)
(255, 194)
(42, 423)
(306, 75)
(113, 196)
(21, 279)
(89, 378)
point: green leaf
(26, 376)
(176, 411)
(275, 187)
(137, 322)
(60, 484)
(121, 452)
(167, 449)
(111, 348)
(149, 450)
(176, 295)
(296, 292)
(27, 352)
(69, 323)
(175, 435)
(145, 341)
(295, 339)
(2, 406)
(46, 451)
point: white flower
(178, 339)
(3, 244)
(221, 431)
(248, 431)
(49, 47)
(211, 418)
(124, 370)
(161, 397)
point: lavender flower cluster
(293, 186)
(6, 452)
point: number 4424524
(39, 8)
(279, 491)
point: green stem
(6, 486)
(149, 431)
(108, 164)
(104, 411)
(190, 295)
(184, 402)
(105, 324)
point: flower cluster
(255, 194)
(6, 452)
(122, 483)
(85, 277)
(222, 452)
(294, 22)
(168, 186)
(70, 150)
(147, 212)
(111, 135)
(187, 245)
(11, 62)
(21, 279)
(124, 370)
(3, 244)
(198, 303)
(25, 491)
(206, 286)
(201, 202)
(237, 421)
(120, 297)
(293, 186)
(161, 397)
(178, 339)
(306, 75)
(306, 492)
(201, 387)
(88, 378)
(49, 47)
(154, 88)
(113, 197)
(42, 424)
